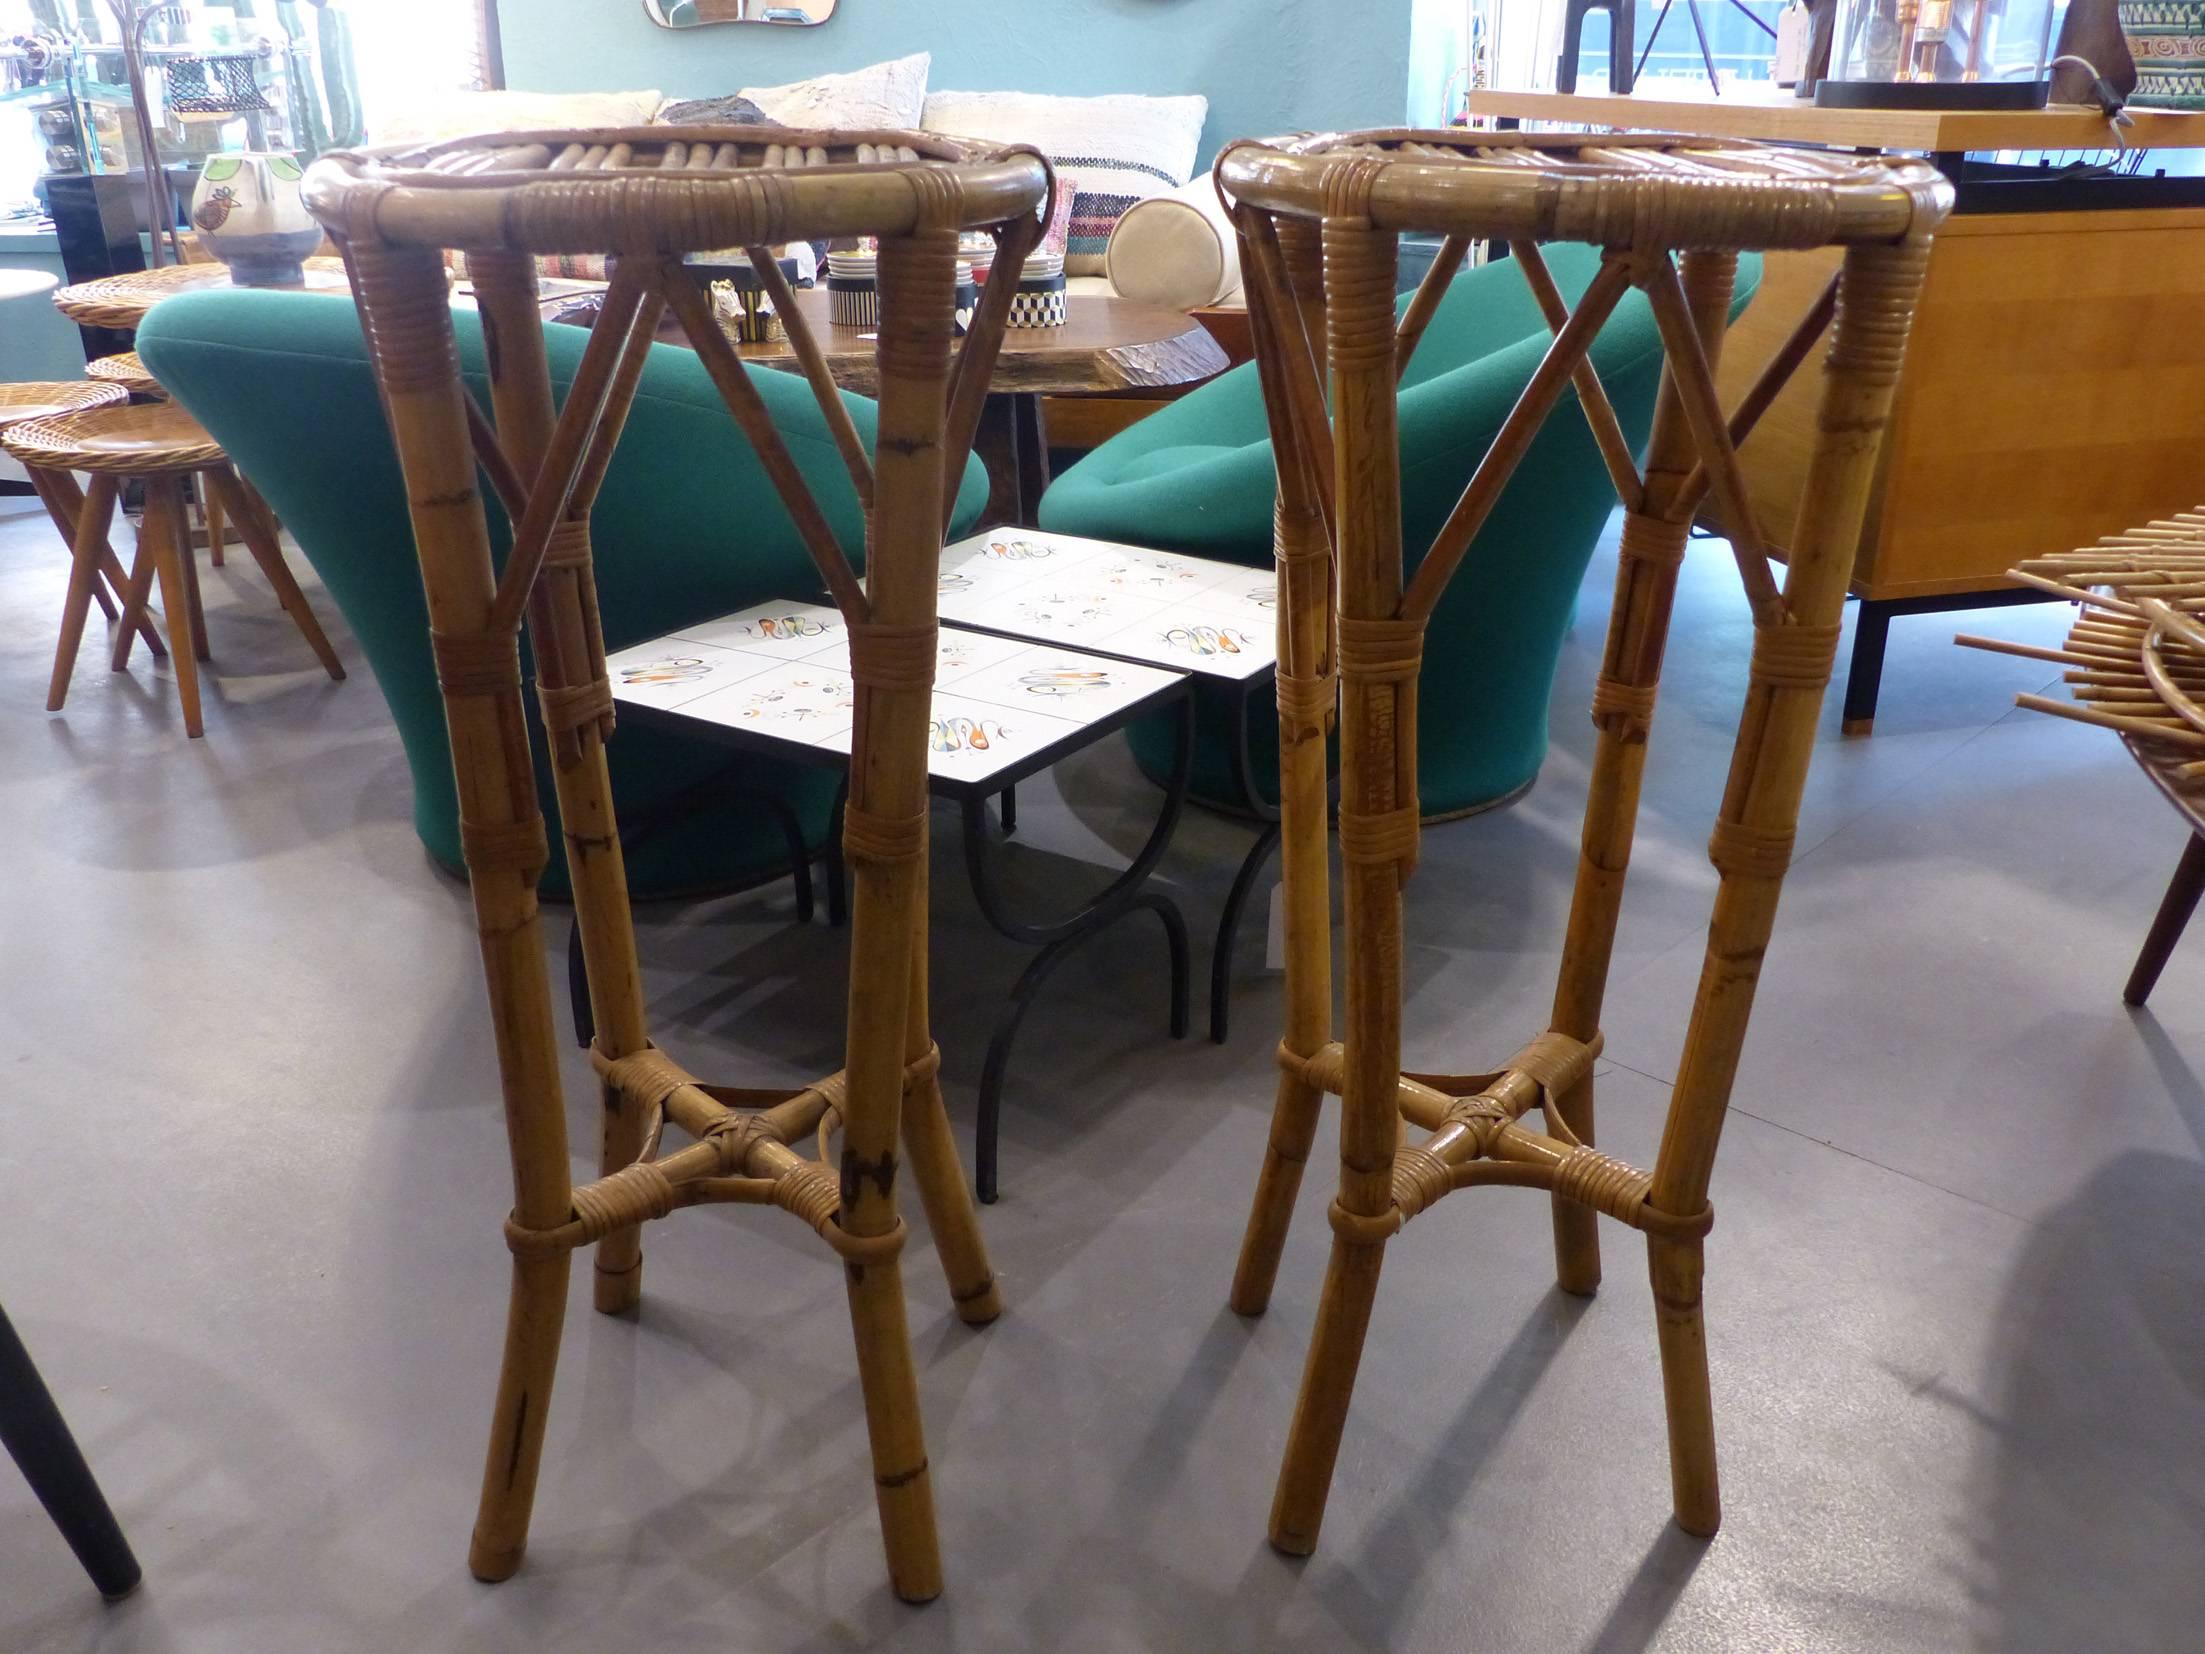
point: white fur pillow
(462, 114)
(891, 94)
(1110, 151)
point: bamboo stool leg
(220, 490)
(1753, 837)
(168, 529)
(210, 512)
(137, 595)
(85, 576)
(65, 518)
(64, 502)
(1306, 695)
(1653, 545)
(404, 300)
(569, 670)
(885, 835)
(187, 563)
(1378, 835)
(931, 1147)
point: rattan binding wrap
(647, 197)
(1318, 219)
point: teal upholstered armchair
(687, 527)
(1197, 477)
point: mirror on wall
(693, 14)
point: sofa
(1146, 224)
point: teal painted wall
(1266, 66)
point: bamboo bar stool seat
(126, 370)
(161, 445)
(1319, 219)
(646, 197)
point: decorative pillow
(1110, 151)
(461, 114)
(1177, 250)
(891, 94)
(732, 110)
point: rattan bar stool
(161, 445)
(647, 197)
(125, 369)
(1319, 219)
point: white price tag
(1794, 28)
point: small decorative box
(853, 291)
(1040, 300)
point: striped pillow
(1109, 151)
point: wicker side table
(647, 197)
(1320, 220)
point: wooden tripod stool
(125, 369)
(160, 445)
(1319, 219)
(647, 197)
(58, 491)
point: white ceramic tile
(1166, 576)
(785, 630)
(1216, 635)
(1076, 611)
(1064, 683)
(971, 740)
(963, 654)
(989, 565)
(798, 701)
(672, 671)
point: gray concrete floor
(252, 1172)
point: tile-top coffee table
(775, 678)
(1215, 620)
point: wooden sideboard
(2055, 382)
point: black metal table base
(1872, 628)
(1057, 940)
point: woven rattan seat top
(121, 302)
(38, 399)
(1641, 192)
(126, 370)
(669, 189)
(140, 440)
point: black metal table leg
(1006, 805)
(1228, 930)
(1864, 676)
(2172, 919)
(1059, 939)
(1223, 948)
(643, 827)
(38, 1439)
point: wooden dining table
(1107, 347)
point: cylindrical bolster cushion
(1176, 249)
